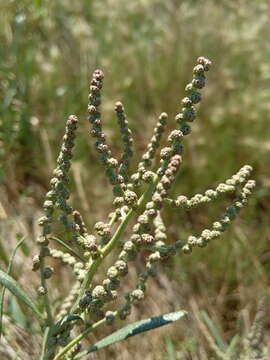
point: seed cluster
(56, 198)
(229, 186)
(58, 195)
(69, 300)
(149, 155)
(218, 227)
(193, 97)
(110, 163)
(127, 141)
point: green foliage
(9, 269)
(12, 285)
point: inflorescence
(84, 251)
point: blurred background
(147, 49)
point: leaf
(16, 313)
(214, 330)
(171, 355)
(233, 345)
(17, 291)
(61, 324)
(134, 329)
(3, 255)
(10, 263)
(69, 249)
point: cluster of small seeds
(220, 226)
(186, 115)
(201, 241)
(66, 258)
(229, 186)
(127, 141)
(188, 112)
(59, 193)
(143, 226)
(124, 203)
(160, 230)
(77, 266)
(56, 198)
(110, 163)
(69, 300)
(95, 299)
(89, 246)
(104, 231)
(61, 179)
(152, 148)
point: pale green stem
(44, 343)
(114, 240)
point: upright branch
(126, 139)
(110, 163)
(152, 147)
(55, 198)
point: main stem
(114, 240)
(80, 337)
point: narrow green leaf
(10, 263)
(134, 329)
(3, 255)
(69, 249)
(214, 330)
(16, 313)
(17, 291)
(233, 345)
(170, 349)
(61, 324)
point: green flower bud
(130, 197)
(48, 272)
(112, 272)
(41, 291)
(36, 263)
(99, 292)
(166, 153)
(110, 317)
(122, 267)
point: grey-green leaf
(10, 263)
(16, 290)
(134, 329)
(16, 313)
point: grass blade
(16, 313)
(12, 285)
(10, 263)
(214, 331)
(3, 255)
(170, 349)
